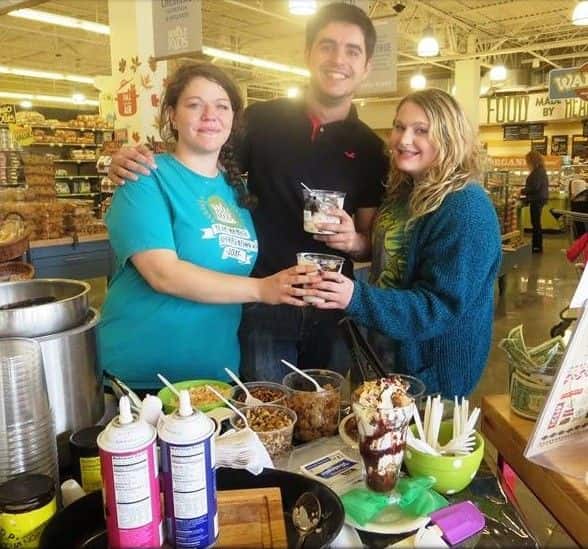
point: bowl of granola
(200, 397)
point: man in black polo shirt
(319, 141)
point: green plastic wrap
(413, 496)
(362, 505)
(417, 498)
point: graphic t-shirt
(389, 244)
(144, 332)
(389, 252)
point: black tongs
(366, 360)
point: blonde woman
(436, 252)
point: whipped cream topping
(383, 393)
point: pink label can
(130, 484)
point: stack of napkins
(242, 450)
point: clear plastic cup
(274, 425)
(317, 411)
(323, 263)
(318, 204)
(266, 391)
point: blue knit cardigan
(441, 317)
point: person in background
(320, 141)
(185, 244)
(436, 252)
(536, 194)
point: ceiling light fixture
(61, 20)
(34, 73)
(26, 104)
(498, 73)
(428, 45)
(293, 92)
(580, 15)
(418, 81)
(302, 7)
(255, 61)
(47, 98)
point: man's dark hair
(344, 13)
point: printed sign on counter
(560, 438)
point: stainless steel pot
(34, 308)
(74, 379)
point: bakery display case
(505, 199)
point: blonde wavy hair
(457, 161)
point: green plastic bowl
(169, 400)
(451, 473)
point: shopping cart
(577, 224)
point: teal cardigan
(441, 317)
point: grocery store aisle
(535, 294)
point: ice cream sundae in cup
(323, 263)
(383, 409)
(317, 206)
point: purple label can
(188, 478)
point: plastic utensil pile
(464, 434)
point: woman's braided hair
(228, 155)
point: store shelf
(82, 145)
(70, 177)
(78, 195)
(72, 161)
(49, 127)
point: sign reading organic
(532, 107)
(177, 27)
(518, 162)
(565, 83)
(382, 77)
(7, 114)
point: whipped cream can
(130, 481)
(188, 476)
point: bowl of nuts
(266, 391)
(318, 411)
(274, 425)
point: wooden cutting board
(251, 518)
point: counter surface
(566, 498)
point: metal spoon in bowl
(306, 515)
(303, 374)
(249, 399)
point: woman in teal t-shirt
(185, 245)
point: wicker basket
(16, 270)
(15, 248)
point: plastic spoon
(306, 516)
(307, 188)
(249, 399)
(236, 410)
(303, 374)
(169, 385)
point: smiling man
(319, 141)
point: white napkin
(242, 450)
